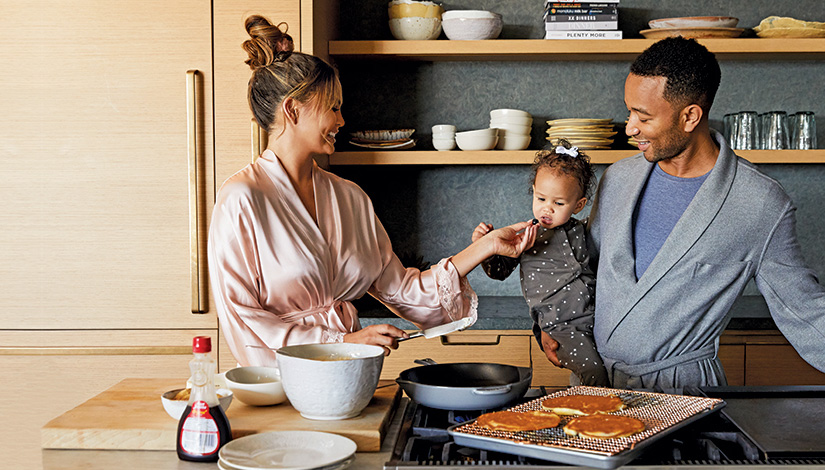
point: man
(677, 231)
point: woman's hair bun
(268, 43)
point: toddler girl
(555, 275)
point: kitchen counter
(510, 313)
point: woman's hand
(382, 335)
(550, 347)
(481, 230)
(514, 239)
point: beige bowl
(511, 128)
(480, 139)
(414, 9)
(256, 386)
(175, 408)
(516, 114)
(415, 28)
(471, 25)
(330, 381)
(517, 120)
(513, 142)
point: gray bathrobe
(663, 331)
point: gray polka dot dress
(559, 288)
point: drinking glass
(745, 131)
(776, 130)
(804, 131)
(727, 125)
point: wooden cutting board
(130, 416)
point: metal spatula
(442, 330)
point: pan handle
(425, 362)
(493, 390)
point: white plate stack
(397, 139)
(584, 133)
(288, 450)
(514, 126)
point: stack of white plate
(514, 126)
(586, 134)
(288, 450)
(383, 139)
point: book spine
(606, 3)
(582, 26)
(581, 11)
(583, 35)
(579, 18)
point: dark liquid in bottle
(224, 435)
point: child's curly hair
(578, 167)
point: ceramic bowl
(330, 381)
(415, 28)
(695, 22)
(444, 143)
(414, 9)
(518, 120)
(175, 408)
(513, 142)
(256, 386)
(443, 129)
(480, 139)
(505, 113)
(471, 24)
(511, 128)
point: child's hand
(481, 230)
(550, 347)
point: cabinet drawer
(778, 364)
(501, 347)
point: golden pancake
(583, 404)
(515, 421)
(604, 426)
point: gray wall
(431, 211)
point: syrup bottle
(203, 429)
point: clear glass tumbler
(776, 130)
(804, 131)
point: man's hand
(550, 347)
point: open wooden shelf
(525, 157)
(544, 49)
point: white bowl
(481, 139)
(507, 113)
(330, 381)
(414, 8)
(471, 24)
(443, 129)
(511, 128)
(518, 120)
(256, 386)
(415, 28)
(513, 142)
(175, 408)
(444, 144)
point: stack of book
(582, 20)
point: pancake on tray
(580, 405)
(603, 426)
(514, 421)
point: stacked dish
(287, 450)
(444, 136)
(784, 27)
(383, 139)
(586, 134)
(414, 20)
(513, 126)
(693, 27)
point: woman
(290, 245)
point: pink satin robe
(279, 279)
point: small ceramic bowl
(414, 9)
(256, 386)
(511, 128)
(444, 129)
(517, 120)
(415, 28)
(471, 24)
(330, 381)
(504, 113)
(513, 142)
(480, 139)
(444, 143)
(175, 408)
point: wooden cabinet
(767, 358)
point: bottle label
(199, 434)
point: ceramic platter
(792, 33)
(396, 145)
(392, 134)
(695, 22)
(579, 122)
(698, 33)
(287, 450)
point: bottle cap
(201, 344)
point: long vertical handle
(193, 100)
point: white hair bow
(573, 152)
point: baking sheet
(661, 413)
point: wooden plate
(659, 33)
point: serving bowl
(511, 128)
(256, 385)
(517, 120)
(479, 139)
(471, 24)
(330, 381)
(515, 114)
(513, 141)
(175, 408)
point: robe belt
(295, 316)
(625, 375)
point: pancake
(604, 426)
(580, 405)
(514, 421)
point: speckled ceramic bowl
(471, 24)
(330, 381)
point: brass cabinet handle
(193, 100)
